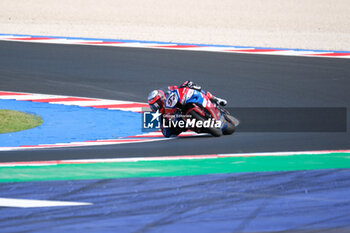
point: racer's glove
(219, 101)
(191, 85)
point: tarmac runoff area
(309, 24)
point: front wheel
(216, 132)
(230, 129)
(231, 122)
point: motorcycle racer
(163, 102)
(194, 86)
(156, 101)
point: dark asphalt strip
(245, 80)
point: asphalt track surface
(245, 80)
(295, 201)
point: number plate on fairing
(172, 100)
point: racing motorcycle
(205, 115)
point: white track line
(26, 203)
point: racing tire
(230, 129)
(232, 122)
(213, 131)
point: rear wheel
(216, 132)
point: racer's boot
(219, 101)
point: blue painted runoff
(64, 124)
(293, 201)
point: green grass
(14, 121)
